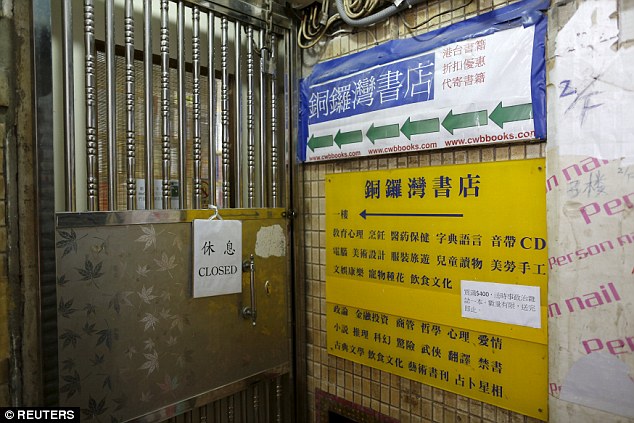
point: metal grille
(168, 104)
(260, 402)
(153, 132)
(135, 148)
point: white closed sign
(217, 253)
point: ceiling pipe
(378, 16)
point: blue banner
(428, 70)
(393, 84)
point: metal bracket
(250, 312)
(267, 66)
(289, 214)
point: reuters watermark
(40, 414)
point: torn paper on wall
(591, 91)
(270, 241)
(601, 381)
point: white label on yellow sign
(500, 302)
(217, 252)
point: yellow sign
(401, 242)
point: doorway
(152, 115)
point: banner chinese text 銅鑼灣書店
(429, 276)
(476, 82)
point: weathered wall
(19, 291)
(370, 389)
(6, 123)
(590, 193)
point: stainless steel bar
(92, 187)
(182, 109)
(142, 217)
(256, 404)
(149, 109)
(211, 30)
(267, 401)
(130, 105)
(218, 411)
(288, 125)
(111, 107)
(238, 101)
(278, 399)
(196, 143)
(226, 169)
(274, 142)
(165, 106)
(230, 408)
(70, 197)
(250, 121)
(263, 130)
(248, 11)
(244, 406)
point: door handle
(250, 312)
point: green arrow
(319, 142)
(464, 120)
(501, 115)
(416, 127)
(348, 137)
(379, 132)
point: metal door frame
(45, 195)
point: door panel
(132, 340)
(169, 104)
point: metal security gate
(151, 114)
